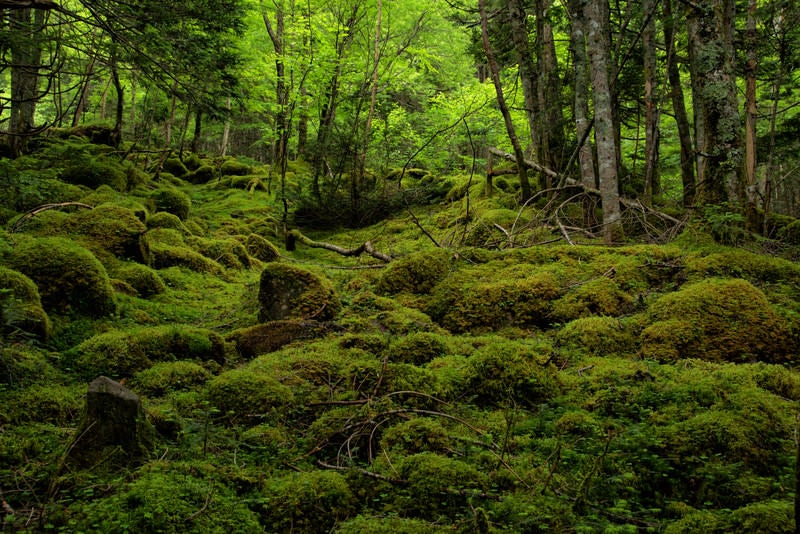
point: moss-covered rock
(170, 376)
(287, 292)
(600, 296)
(247, 397)
(463, 305)
(69, 277)
(56, 404)
(271, 336)
(143, 279)
(597, 335)
(21, 309)
(717, 320)
(232, 167)
(228, 252)
(201, 175)
(175, 167)
(418, 348)
(94, 172)
(162, 219)
(261, 249)
(180, 342)
(417, 273)
(171, 200)
(165, 256)
(114, 229)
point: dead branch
(19, 223)
(365, 248)
(528, 163)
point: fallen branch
(528, 163)
(365, 248)
(44, 207)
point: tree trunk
(26, 55)
(226, 131)
(717, 123)
(198, 129)
(679, 108)
(599, 62)
(551, 124)
(751, 68)
(528, 75)
(116, 136)
(494, 70)
(652, 132)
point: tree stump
(114, 428)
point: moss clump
(261, 249)
(46, 403)
(312, 502)
(162, 219)
(465, 305)
(172, 201)
(717, 320)
(68, 276)
(417, 435)
(484, 233)
(231, 167)
(21, 309)
(228, 252)
(505, 370)
(22, 366)
(600, 296)
(175, 167)
(170, 376)
(417, 273)
(597, 335)
(271, 336)
(180, 342)
(94, 172)
(166, 497)
(201, 175)
(246, 397)
(418, 348)
(114, 229)
(144, 280)
(165, 256)
(287, 292)
(390, 525)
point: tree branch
(365, 248)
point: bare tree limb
(365, 248)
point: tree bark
(494, 70)
(751, 68)
(717, 122)
(679, 108)
(652, 135)
(26, 56)
(603, 121)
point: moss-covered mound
(228, 252)
(162, 219)
(114, 229)
(287, 292)
(246, 397)
(271, 336)
(260, 248)
(144, 280)
(69, 277)
(417, 273)
(163, 377)
(21, 309)
(171, 200)
(717, 320)
(168, 249)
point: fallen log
(364, 248)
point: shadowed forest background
(484, 266)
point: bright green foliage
(246, 397)
(169, 376)
(417, 273)
(171, 499)
(69, 277)
(21, 309)
(287, 292)
(309, 502)
(717, 320)
(171, 200)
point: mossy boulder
(261, 249)
(232, 167)
(418, 348)
(288, 292)
(94, 172)
(271, 336)
(597, 336)
(21, 306)
(175, 167)
(165, 256)
(228, 252)
(599, 296)
(180, 342)
(502, 300)
(164, 377)
(416, 273)
(114, 229)
(143, 279)
(201, 175)
(171, 200)
(69, 277)
(162, 219)
(247, 397)
(718, 320)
